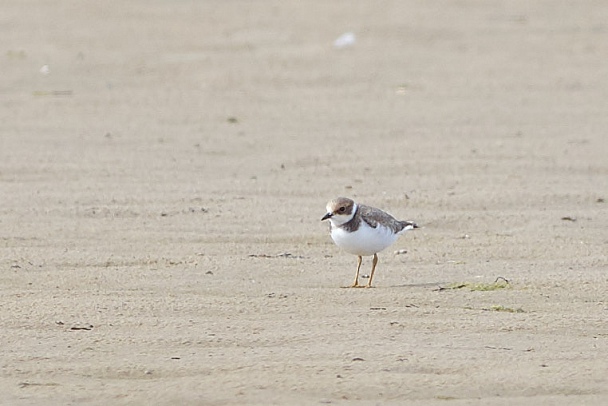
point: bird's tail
(409, 225)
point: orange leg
(356, 284)
(371, 275)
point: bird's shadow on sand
(421, 285)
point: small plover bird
(363, 230)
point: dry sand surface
(164, 166)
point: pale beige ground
(150, 180)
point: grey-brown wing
(373, 216)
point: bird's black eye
(342, 209)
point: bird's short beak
(328, 215)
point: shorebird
(363, 230)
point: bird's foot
(354, 285)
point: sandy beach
(164, 166)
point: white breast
(365, 241)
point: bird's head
(340, 210)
